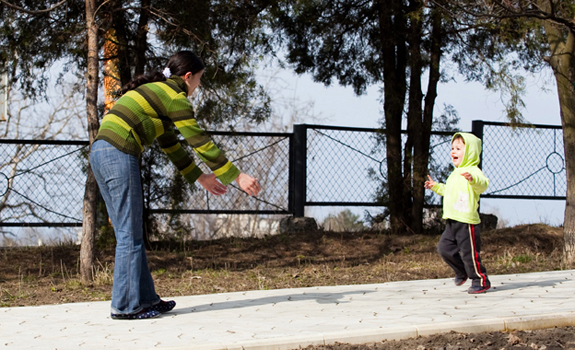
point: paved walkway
(290, 318)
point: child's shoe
(163, 306)
(459, 280)
(479, 289)
(142, 315)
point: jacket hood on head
(472, 149)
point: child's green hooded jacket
(461, 197)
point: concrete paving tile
(289, 318)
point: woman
(149, 108)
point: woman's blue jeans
(118, 177)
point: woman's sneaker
(163, 306)
(142, 315)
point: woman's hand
(212, 185)
(249, 184)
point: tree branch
(498, 10)
(33, 12)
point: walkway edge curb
(500, 324)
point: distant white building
(246, 225)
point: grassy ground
(49, 275)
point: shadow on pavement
(321, 298)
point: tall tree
(228, 35)
(536, 33)
(91, 192)
(34, 36)
(389, 42)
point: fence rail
(42, 182)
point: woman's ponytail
(143, 79)
(179, 64)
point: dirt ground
(546, 339)
(49, 275)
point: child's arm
(434, 186)
(478, 181)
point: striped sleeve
(182, 115)
(169, 143)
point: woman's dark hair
(179, 64)
(141, 80)
(183, 62)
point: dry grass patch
(49, 275)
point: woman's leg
(118, 176)
(148, 296)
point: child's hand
(430, 183)
(467, 176)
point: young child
(460, 243)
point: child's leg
(449, 250)
(469, 242)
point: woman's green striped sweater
(149, 112)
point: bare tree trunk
(91, 192)
(394, 53)
(414, 125)
(562, 61)
(142, 40)
(112, 85)
(421, 146)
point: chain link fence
(523, 162)
(264, 156)
(42, 182)
(343, 166)
(347, 166)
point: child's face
(457, 152)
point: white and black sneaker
(142, 315)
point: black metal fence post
(477, 130)
(298, 171)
